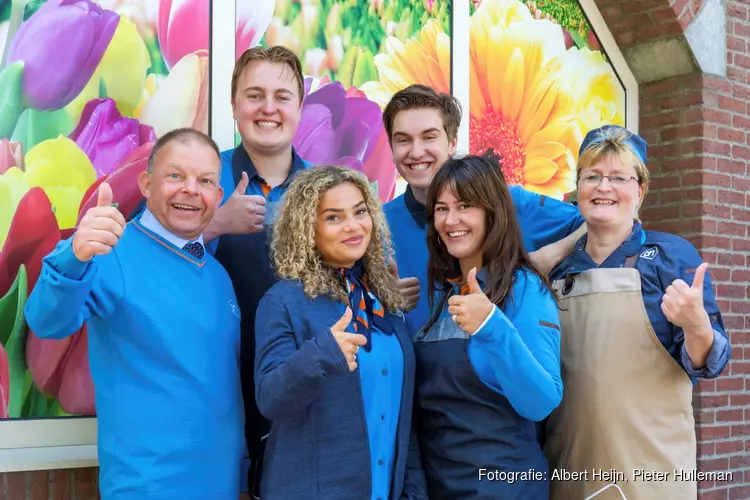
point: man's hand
(100, 229)
(242, 213)
(348, 342)
(470, 311)
(409, 287)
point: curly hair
(296, 256)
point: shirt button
(382, 417)
(380, 462)
(384, 372)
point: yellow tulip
(57, 166)
(122, 69)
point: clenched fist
(470, 311)
(100, 229)
(348, 342)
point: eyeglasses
(614, 179)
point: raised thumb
(105, 195)
(342, 323)
(471, 280)
(242, 185)
(393, 267)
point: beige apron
(626, 415)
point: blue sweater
(543, 220)
(164, 354)
(326, 440)
(662, 258)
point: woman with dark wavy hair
(488, 361)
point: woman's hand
(683, 304)
(470, 311)
(348, 342)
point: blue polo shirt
(543, 220)
(662, 258)
(247, 260)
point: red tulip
(123, 181)
(32, 235)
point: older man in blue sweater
(164, 331)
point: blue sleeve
(682, 263)
(288, 377)
(70, 292)
(518, 354)
(543, 220)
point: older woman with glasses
(334, 366)
(639, 324)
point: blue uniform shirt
(543, 220)
(662, 258)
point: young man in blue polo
(267, 92)
(422, 127)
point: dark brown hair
(421, 96)
(276, 54)
(477, 182)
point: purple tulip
(345, 128)
(106, 137)
(61, 46)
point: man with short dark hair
(422, 127)
(163, 330)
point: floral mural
(86, 87)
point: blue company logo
(650, 253)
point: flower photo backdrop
(86, 87)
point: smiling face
(343, 226)
(183, 190)
(267, 106)
(461, 227)
(610, 202)
(420, 145)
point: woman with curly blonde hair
(340, 415)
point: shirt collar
(152, 224)
(580, 261)
(241, 162)
(415, 208)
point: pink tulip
(253, 19)
(183, 28)
(11, 155)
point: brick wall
(698, 127)
(71, 484)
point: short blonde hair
(295, 254)
(615, 142)
(277, 54)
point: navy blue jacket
(318, 446)
(662, 258)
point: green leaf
(4, 10)
(13, 336)
(102, 89)
(32, 7)
(11, 98)
(36, 126)
(577, 39)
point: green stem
(17, 9)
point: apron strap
(630, 261)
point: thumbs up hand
(409, 287)
(242, 213)
(683, 304)
(470, 311)
(100, 229)
(348, 342)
